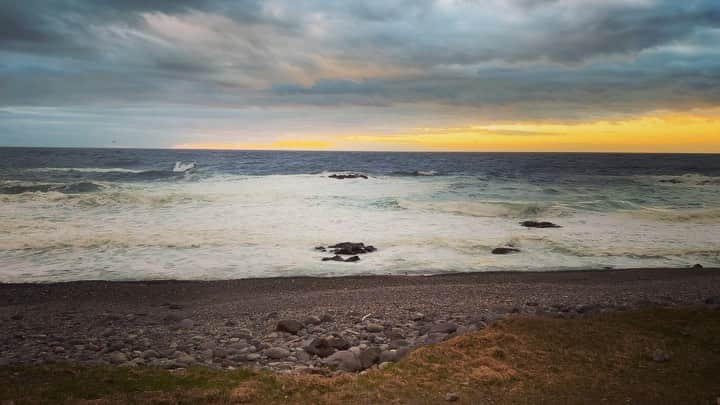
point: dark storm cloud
(539, 58)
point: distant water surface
(72, 214)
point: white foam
(262, 226)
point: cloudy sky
(610, 75)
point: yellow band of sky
(695, 131)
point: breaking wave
(71, 188)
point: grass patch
(603, 359)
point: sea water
(111, 214)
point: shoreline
(418, 275)
(369, 320)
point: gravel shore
(307, 324)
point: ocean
(131, 214)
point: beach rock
(368, 357)
(344, 360)
(252, 357)
(374, 328)
(320, 347)
(712, 300)
(336, 258)
(277, 353)
(327, 318)
(186, 323)
(353, 259)
(149, 354)
(418, 316)
(697, 266)
(118, 357)
(443, 327)
(504, 250)
(339, 342)
(348, 176)
(660, 356)
(312, 320)
(290, 326)
(539, 224)
(452, 397)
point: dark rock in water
(672, 181)
(698, 266)
(504, 250)
(290, 326)
(348, 176)
(346, 248)
(351, 248)
(539, 224)
(320, 347)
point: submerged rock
(504, 250)
(539, 224)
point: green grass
(603, 359)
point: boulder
(186, 324)
(344, 360)
(369, 357)
(353, 259)
(320, 347)
(277, 353)
(374, 328)
(336, 258)
(339, 343)
(313, 320)
(290, 326)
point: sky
(436, 75)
